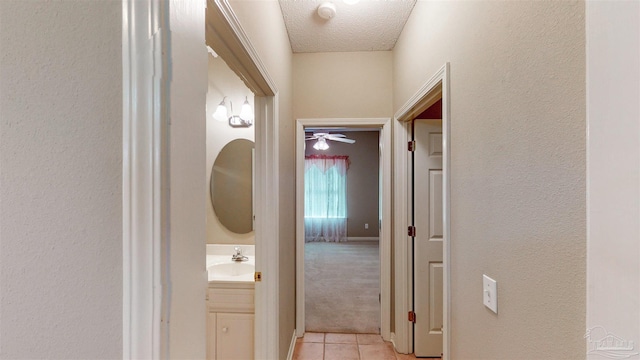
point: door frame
(146, 173)
(384, 124)
(433, 89)
(144, 165)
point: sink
(221, 269)
(231, 269)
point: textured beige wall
(343, 85)
(262, 21)
(517, 168)
(363, 192)
(223, 82)
(61, 176)
(613, 193)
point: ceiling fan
(323, 137)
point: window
(325, 194)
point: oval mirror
(232, 186)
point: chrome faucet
(238, 255)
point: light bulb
(321, 144)
(246, 113)
(221, 113)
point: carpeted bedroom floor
(342, 283)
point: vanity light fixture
(246, 113)
(245, 119)
(321, 144)
(221, 113)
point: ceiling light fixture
(245, 119)
(327, 10)
(321, 144)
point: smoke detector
(327, 10)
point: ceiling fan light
(321, 144)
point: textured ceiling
(369, 25)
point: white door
(427, 244)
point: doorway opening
(163, 273)
(342, 258)
(238, 53)
(230, 216)
(422, 254)
(314, 289)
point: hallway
(334, 346)
(103, 110)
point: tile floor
(333, 346)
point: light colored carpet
(342, 283)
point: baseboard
(393, 341)
(363, 238)
(292, 346)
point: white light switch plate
(490, 293)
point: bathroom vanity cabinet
(230, 320)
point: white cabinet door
(234, 336)
(428, 270)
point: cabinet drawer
(231, 300)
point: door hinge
(257, 277)
(411, 230)
(412, 317)
(411, 146)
